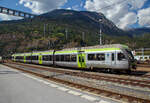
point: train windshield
(130, 55)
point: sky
(125, 14)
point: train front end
(131, 60)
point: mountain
(84, 19)
(139, 31)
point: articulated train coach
(109, 57)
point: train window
(91, 56)
(67, 58)
(20, 57)
(73, 58)
(17, 57)
(100, 57)
(50, 57)
(57, 58)
(79, 59)
(112, 57)
(145, 57)
(45, 57)
(141, 57)
(62, 58)
(28, 57)
(34, 57)
(82, 59)
(121, 56)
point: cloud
(8, 17)
(120, 11)
(69, 8)
(42, 6)
(144, 17)
(127, 20)
(137, 4)
(76, 7)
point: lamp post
(100, 33)
(44, 30)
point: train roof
(93, 48)
(120, 46)
(34, 52)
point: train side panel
(66, 58)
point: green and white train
(109, 57)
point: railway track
(129, 99)
(146, 68)
(119, 80)
(143, 65)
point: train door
(24, 59)
(113, 58)
(40, 58)
(108, 58)
(122, 60)
(81, 59)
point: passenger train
(109, 57)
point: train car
(67, 58)
(27, 57)
(18, 57)
(42, 57)
(47, 57)
(109, 57)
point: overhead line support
(18, 13)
